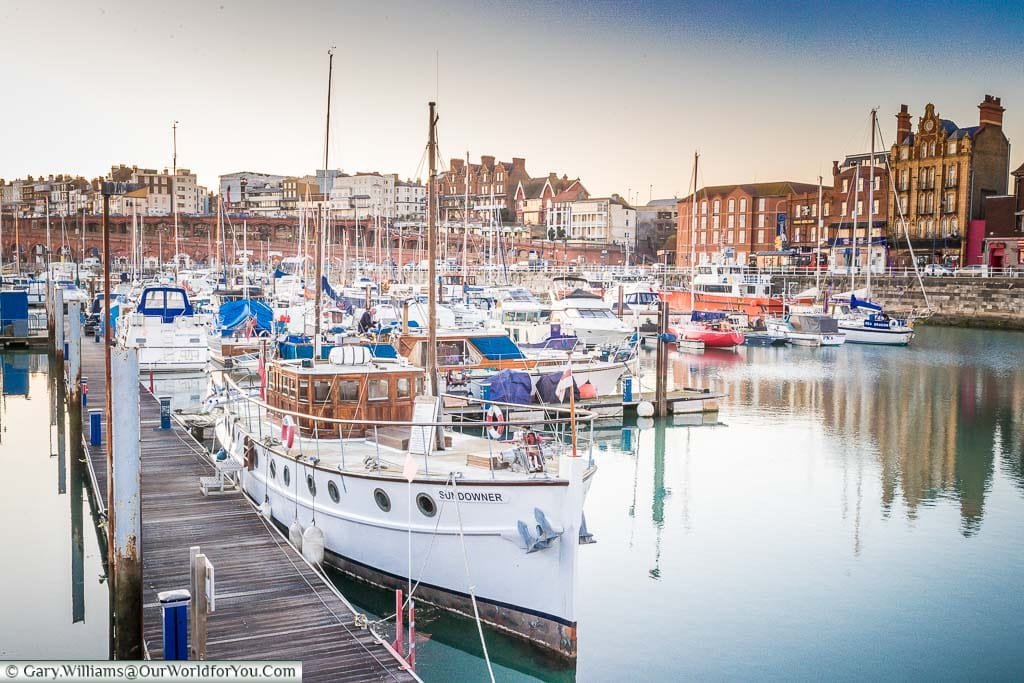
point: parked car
(937, 270)
(972, 271)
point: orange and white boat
(727, 288)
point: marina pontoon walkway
(270, 604)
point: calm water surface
(52, 602)
(852, 513)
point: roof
(1020, 170)
(964, 132)
(663, 202)
(773, 189)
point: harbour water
(855, 512)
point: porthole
(255, 458)
(426, 505)
(287, 476)
(332, 491)
(382, 500)
(273, 470)
(311, 485)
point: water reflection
(937, 418)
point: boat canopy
(814, 324)
(581, 294)
(511, 386)
(235, 315)
(384, 351)
(707, 316)
(497, 347)
(864, 303)
(166, 302)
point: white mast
(853, 256)
(871, 199)
(465, 226)
(174, 193)
(693, 234)
(817, 242)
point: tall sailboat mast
(693, 234)
(853, 256)
(174, 193)
(432, 252)
(817, 243)
(465, 226)
(319, 224)
(871, 200)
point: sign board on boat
(424, 412)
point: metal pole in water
(126, 512)
(58, 324)
(661, 364)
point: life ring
(288, 431)
(495, 420)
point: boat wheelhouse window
(311, 484)
(332, 491)
(348, 390)
(273, 470)
(377, 389)
(426, 505)
(303, 391)
(419, 386)
(382, 500)
(321, 391)
(287, 476)
(595, 313)
(402, 387)
(452, 352)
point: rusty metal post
(126, 513)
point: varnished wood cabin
(371, 392)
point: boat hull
(530, 595)
(753, 306)
(856, 334)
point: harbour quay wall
(993, 302)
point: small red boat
(709, 327)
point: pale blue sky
(618, 93)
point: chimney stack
(902, 124)
(990, 111)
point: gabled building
(942, 173)
(533, 197)
(488, 188)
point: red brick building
(492, 187)
(738, 222)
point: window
(743, 236)
(381, 498)
(332, 491)
(426, 505)
(860, 207)
(952, 147)
(743, 220)
(311, 484)
(303, 391)
(732, 205)
(743, 204)
(717, 206)
(703, 222)
(732, 220)
(704, 206)
(846, 184)
(321, 391)
(273, 470)
(402, 387)
(760, 220)
(348, 390)
(377, 389)
(287, 476)
(874, 208)
(760, 235)
(715, 221)
(760, 204)
(729, 236)
(842, 209)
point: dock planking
(270, 604)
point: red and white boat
(728, 288)
(709, 327)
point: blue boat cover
(279, 273)
(511, 386)
(497, 347)
(382, 350)
(706, 316)
(233, 316)
(166, 302)
(863, 303)
(328, 290)
(547, 387)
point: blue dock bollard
(174, 609)
(65, 350)
(165, 412)
(95, 427)
(627, 390)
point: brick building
(942, 174)
(491, 188)
(851, 205)
(739, 223)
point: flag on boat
(409, 470)
(261, 370)
(564, 383)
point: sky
(620, 94)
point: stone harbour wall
(969, 302)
